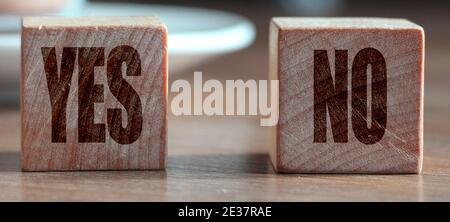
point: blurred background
(226, 39)
(236, 28)
(229, 40)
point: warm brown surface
(325, 125)
(224, 159)
(220, 159)
(107, 117)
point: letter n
(330, 96)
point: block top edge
(91, 21)
(287, 23)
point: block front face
(94, 93)
(351, 96)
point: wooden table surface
(225, 158)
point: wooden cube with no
(350, 95)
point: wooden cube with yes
(93, 93)
(350, 95)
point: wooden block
(94, 93)
(351, 95)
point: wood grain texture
(334, 116)
(225, 159)
(94, 93)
